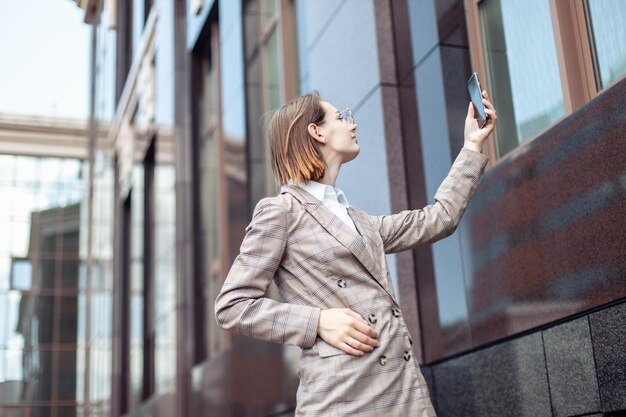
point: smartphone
(473, 86)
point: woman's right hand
(347, 330)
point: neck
(330, 176)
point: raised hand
(476, 136)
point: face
(341, 144)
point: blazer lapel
(364, 227)
(340, 230)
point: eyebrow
(337, 112)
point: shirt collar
(323, 192)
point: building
(53, 324)
(518, 313)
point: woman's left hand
(476, 136)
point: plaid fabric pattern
(317, 261)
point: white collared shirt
(331, 197)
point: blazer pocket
(326, 350)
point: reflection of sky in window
(609, 27)
(532, 59)
(11, 343)
(21, 274)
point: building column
(184, 211)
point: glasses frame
(345, 116)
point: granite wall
(574, 368)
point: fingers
(358, 346)
(366, 329)
(487, 101)
(361, 325)
(488, 105)
(492, 117)
(363, 341)
(352, 351)
(361, 337)
(489, 109)
(359, 343)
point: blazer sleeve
(242, 305)
(412, 228)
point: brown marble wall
(547, 225)
(543, 238)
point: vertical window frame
(210, 51)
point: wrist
(473, 146)
(319, 321)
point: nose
(353, 127)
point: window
(21, 274)
(607, 26)
(271, 75)
(541, 60)
(147, 6)
(124, 25)
(522, 69)
(211, 212)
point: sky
(44, 58)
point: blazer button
(382, 360)
(372, 318)
(407, 355)
(342, 283)
(395, 312)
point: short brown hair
(296, 155)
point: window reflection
(39, 272)
(137, 296)
(211, 201)
(165, 274)
(522, 69)
(263, 88)
(608, 33)
(21, 274)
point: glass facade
(522, 69)
(137, 296)
(45, 343)
(265, 86)
(164, 307)
(136, 174)
(608, 33)
(212, 212)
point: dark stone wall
(574, 368)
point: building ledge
(43, 136)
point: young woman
(327, 259)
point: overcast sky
(44, 56)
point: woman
(327, 259)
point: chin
(351, 155)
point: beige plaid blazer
(318, 262)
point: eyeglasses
(345, 116)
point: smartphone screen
(473, 86)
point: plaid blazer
(317, 261)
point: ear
(315, 132)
